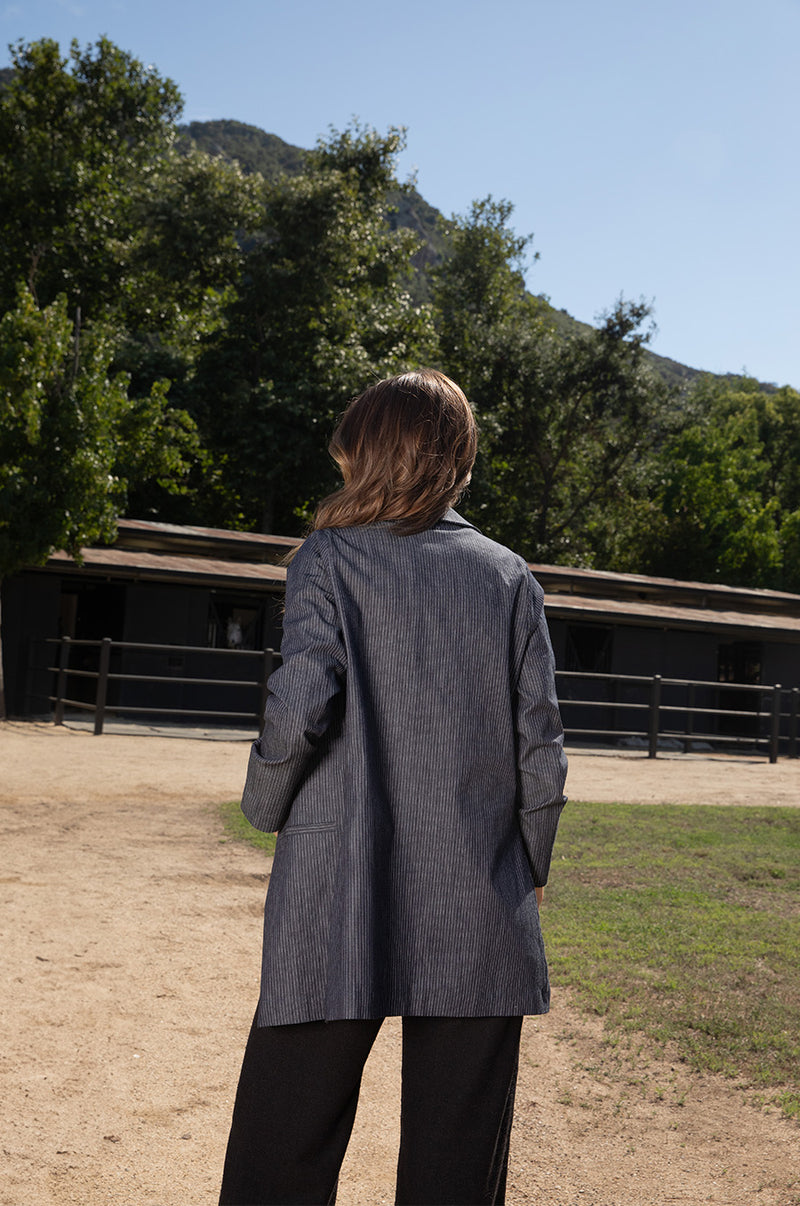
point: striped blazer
(412, 763)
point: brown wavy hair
(406, 448)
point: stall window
(589, 648)
(740, 662)
(235, 623)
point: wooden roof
(157, 552)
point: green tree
(706, 520)
(479, 293)
(68, 435)
(95, 200)
(562, 416)
(721, 498)
(96, 203)
(78, 136)
(322, 307)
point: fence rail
(771, 725)
(265, 659)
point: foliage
(562, 415)
(58, 410)
(76, 137)
(721, 497)
(255, 151)
(95, 201)
(70, 435)
(97, 204)
(320, 309)
(681, 922)
(247, 289)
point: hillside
(257, 151)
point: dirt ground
(130, 951)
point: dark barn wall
(781, 664)
(165, 615)
(168, 615)
(30, 613)
(43, 604)
(184, 615)
(674, 653)
(558, 636)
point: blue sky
(650, 147)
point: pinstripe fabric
(412, 762)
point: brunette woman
(412, 764)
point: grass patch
(684, 923)
(238, 828)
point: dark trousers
(297, 1097)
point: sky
(649, 146)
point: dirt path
(130, 954)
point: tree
(561, 415)
(78, 137)
(721, 499)
(479, 292)
(321, 308)
(67, 431)
(97, 204)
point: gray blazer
(412, 762)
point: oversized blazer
(412, 763)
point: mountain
(257, 151)
(251, 147)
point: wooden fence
(650, 711)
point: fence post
(775, 727)
(690, 713)
(61, 681)
(794, 708)
(266, 670)
(102, 685)
(655, 704)
(30, 644)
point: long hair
(406, 448)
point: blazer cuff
(270, 787)
(539, 826)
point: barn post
(775, 727)
(794, 709)
(655, 705)
(102, 686)
(61, 681)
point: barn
(181, 605)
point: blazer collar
(451, 516)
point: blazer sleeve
(301, 691)
(541, 762)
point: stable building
(172, 598)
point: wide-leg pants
(297, 1097)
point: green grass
(680, 923)
(238, 828)
(683, 923)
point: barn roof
(147, 550)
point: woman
(412, 764)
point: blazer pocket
(322, 827)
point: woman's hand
(539, 896)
